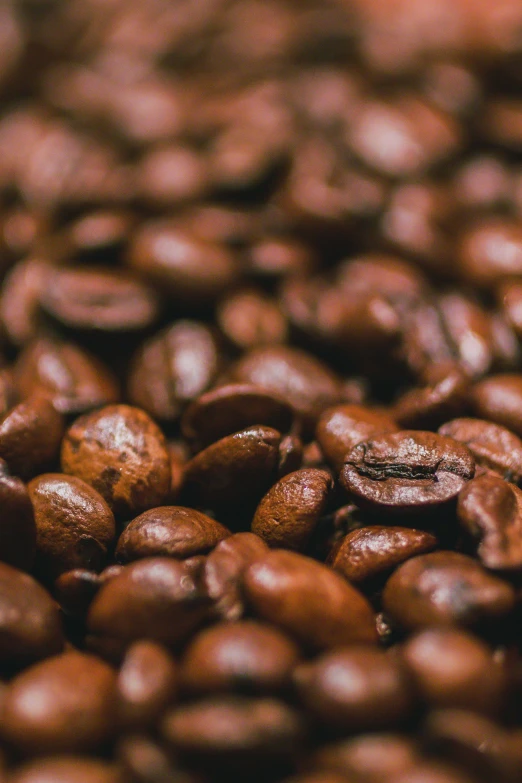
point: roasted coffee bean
(490, 513)
(446, 396)
(169, 175)
(341, 428)
(248, 319)
(173, 368)
(66, 769)
(223, 572)
(355, 690)
(147, 684)
(186, 268)
(494, 447)
(245, 657)
(499, 398)
(510, 300)
(17, 528)
(469, 330)
(372, 757)
(308, 601)
(76, 697)
(290, 511)
(300, 379)
(19, 300)
(122, 453)
(374, 551)
(239, 467)
(172, 531)
(490, 251)
(73, 380)
(407, 471)
(452, 668)
(446, 588)
(290, 455)
(75, 589)
(234, 729)
(433, 772)
(99, 235)
(30, 436)
(155, 598)
(74, 525)
(232, 408)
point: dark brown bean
(407, 471)
(121, 453)
(341, 428)
(288, 514)
(99, 235)
(30, 624)
(169, 175)
(155, 598)
(173, 368)
(74, 525)
(75, 589)
(372, 552)
(446, 588)
(232, 408)
(19, 308)
(30, 437)
(246, 657)
(249, 319)
(308, 601)
(490, 251)
(372, 757)
(172, 531)
(499, 398)
(223, 572)
(76, 699)
(147, 684)
(452, 668)
(17, 528)
(355, 690)
(432, 772)
(446, 396)
(493, 446)
(66, 769)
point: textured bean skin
(492, 445)
(293, 591)
(30, 437)
(341, 428)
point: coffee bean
(289, 512)
(509, 298)
(374, 757)
(239, 467)
(18, 529)
(290, 455)
(232, 408)
(452, 668)
(19, 300)
(223, 572)
(426, 408)
(30, 623)
(75, 589)
(374, 551)
(74, 525)
(308, 601)
(245, 657)
(490, 513)
(147, 684)
(172, 531)
(173, 368)
(66, 769)
(143, 760)
(30, 437)
(99, 235)
(341, 428)
(494, 447)
(358, 689)
(122, 454)
(407, 471)
(155, 598)
(76, 699)
(300, 379)
(248, 319)
(446, 588)
(490, 251)
(170, 175)
(433, 772)
(499, 398)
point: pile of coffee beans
(261, 391)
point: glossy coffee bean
(122, 453)
(155, 598)
(249, 319)
(19, 300)
(372, 757)
(452, 668)
(171, 531)
(407, 471)
(288, 514)
(427, 407)
(223, 572)
(76, 699)
(356, 690)
(446, 588)
(75, 589)
(239, 467)
(147, 684)
(308, 601)
(491, 251)
(300, 379)
(490, 513)
(341, 428)
(66, 769)
(30, 437)
(74, 525)
(499, 399)
(17, 528)
(30, 624)
(173, 368)
(99, 235)
(494, 447)
(374, 551)
(243, 657)
(232, 408)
